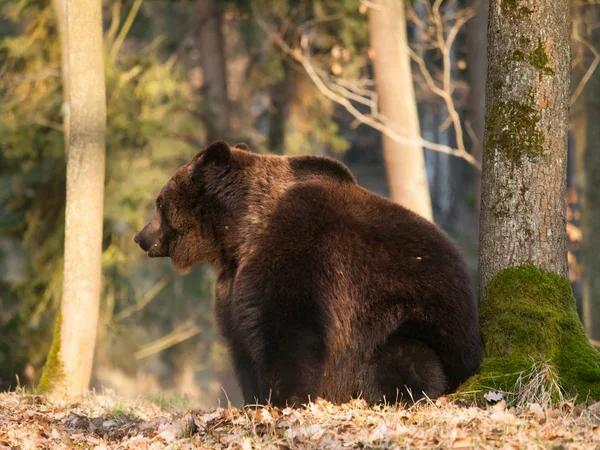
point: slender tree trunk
(60, 9)
(579, 125)
(527, 308)
(281, 94)
(590, 206)
(476, 74)
(69, 366)
(214, 69)
(405, 163)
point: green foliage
(153, 128)
(338, 36)
(529, 315)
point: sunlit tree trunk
(404, 163)
(68, 369)
(212, 56)
(60, 9)
(527, 308)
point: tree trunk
(281, 94)
(404, 163)
(68, 369)
(476, 74)
(212, 57)
(527, 306)
(60, 9)
(590, 206)
(525, 155)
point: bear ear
(218, 152)
(242, 146)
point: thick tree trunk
(525, 153)
(68, 369)
(404, 163)
(212, 56)
(527, 307)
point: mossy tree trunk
(405, 163)
(527, 308)
(68, 369)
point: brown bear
(325, 289)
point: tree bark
(527, 307)
(68, 369)
(212, 58)
(405, 164)
(525, 154)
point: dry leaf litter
(101, 422)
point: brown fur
(325, 289)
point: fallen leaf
(493, 396)
(536, 410)
(463, 443)
(500, 406)
(596, 433)
(502, 417)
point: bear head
(215, 206)
(196, 208)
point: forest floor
(102, 422)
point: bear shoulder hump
(320, 166)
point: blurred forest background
(284, 76)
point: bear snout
(142, 241)
(150, 243)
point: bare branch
(590, 70)
(342, 94)
(143, 301)
(183, 332)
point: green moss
(497, 85)
(53, 369)
(529, 315)
(512, 10)
(518, 55)
(539, 59)
(513, 131)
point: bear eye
(159, 203)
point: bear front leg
(254, 390)
(294, 365)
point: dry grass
(101, 422)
